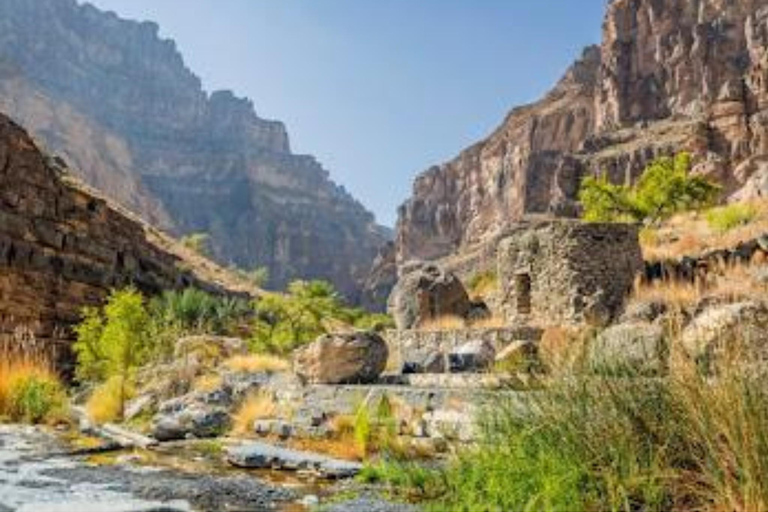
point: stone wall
(415, 346)
(567, 272)
(62, 248)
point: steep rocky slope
(63, 247)
(119, 104)
(669, 75)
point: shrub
(726, 218)
(115, 344)
(193, 310)
(665, 188)
(308, 309)
(33, 395)
(30, 391)
(199, 243)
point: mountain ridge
(120, 104)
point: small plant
(726, 218)
(200, 243)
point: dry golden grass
(732, 283)
(105, 405)
(207, 383)
(562, 348)
(493, 322)
(443, 323)
(690, 234)
(257, 406)
(254, 363)
(24, 365)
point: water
(34, 479)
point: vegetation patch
(666, 187)
(726, 218)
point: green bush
(194, 311)
(307, 310)
(726, 218)
(665, 188)
(35, 398)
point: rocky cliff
(119, 103)
(670, 75)
(62, 247)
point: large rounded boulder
(342, 358)
(426, 292)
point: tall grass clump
(30, 389)
(598, 444)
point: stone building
(562, 272)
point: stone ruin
(550, 273)
(564, 272)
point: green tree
(666, 187)
(115, 343)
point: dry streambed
(38, 475)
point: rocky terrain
(119, 104)
(669, 76)
(62, 247)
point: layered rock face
(669, 76)
(63, 248)
(118, 103)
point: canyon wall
(669, 76)
(62, 247)
(118, 103)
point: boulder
(196, 421)
(727, 332)
(635, 347)
(473, 356)
(426, 292)
(343, 358)
(196, 414)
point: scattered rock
(192, 416)
(342, 358)
(477, 355)
(637, 348)
(724, 333)
(426, 292)
(266, 456)
(643, 311)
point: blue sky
(377, 90)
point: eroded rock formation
(63, 248)
(119, 104)
(669, 76)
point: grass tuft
(255, 363)
(257, 406)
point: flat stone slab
(255, 455)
